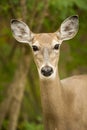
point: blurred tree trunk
(20, 80)
(45, 11)
(15, 91)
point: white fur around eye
(54, 42)
(36, 43)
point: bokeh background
(20, 106)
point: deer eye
(56, 47)
(35, 48)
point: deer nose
(47, 71)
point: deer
(64, 104)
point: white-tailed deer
(63, 101)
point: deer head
(45, 46)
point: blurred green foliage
(31, 126)
(73, 57)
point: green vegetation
(41, 16)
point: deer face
(45, 46)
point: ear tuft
(74, 17)
(13, 20)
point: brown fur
(64, 102)
(64, 105)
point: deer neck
(52, 101)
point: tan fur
(64, 102)
(45, 38)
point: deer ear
(21, 31)
(68, 28)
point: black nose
(47, 71)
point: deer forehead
(45, 39)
